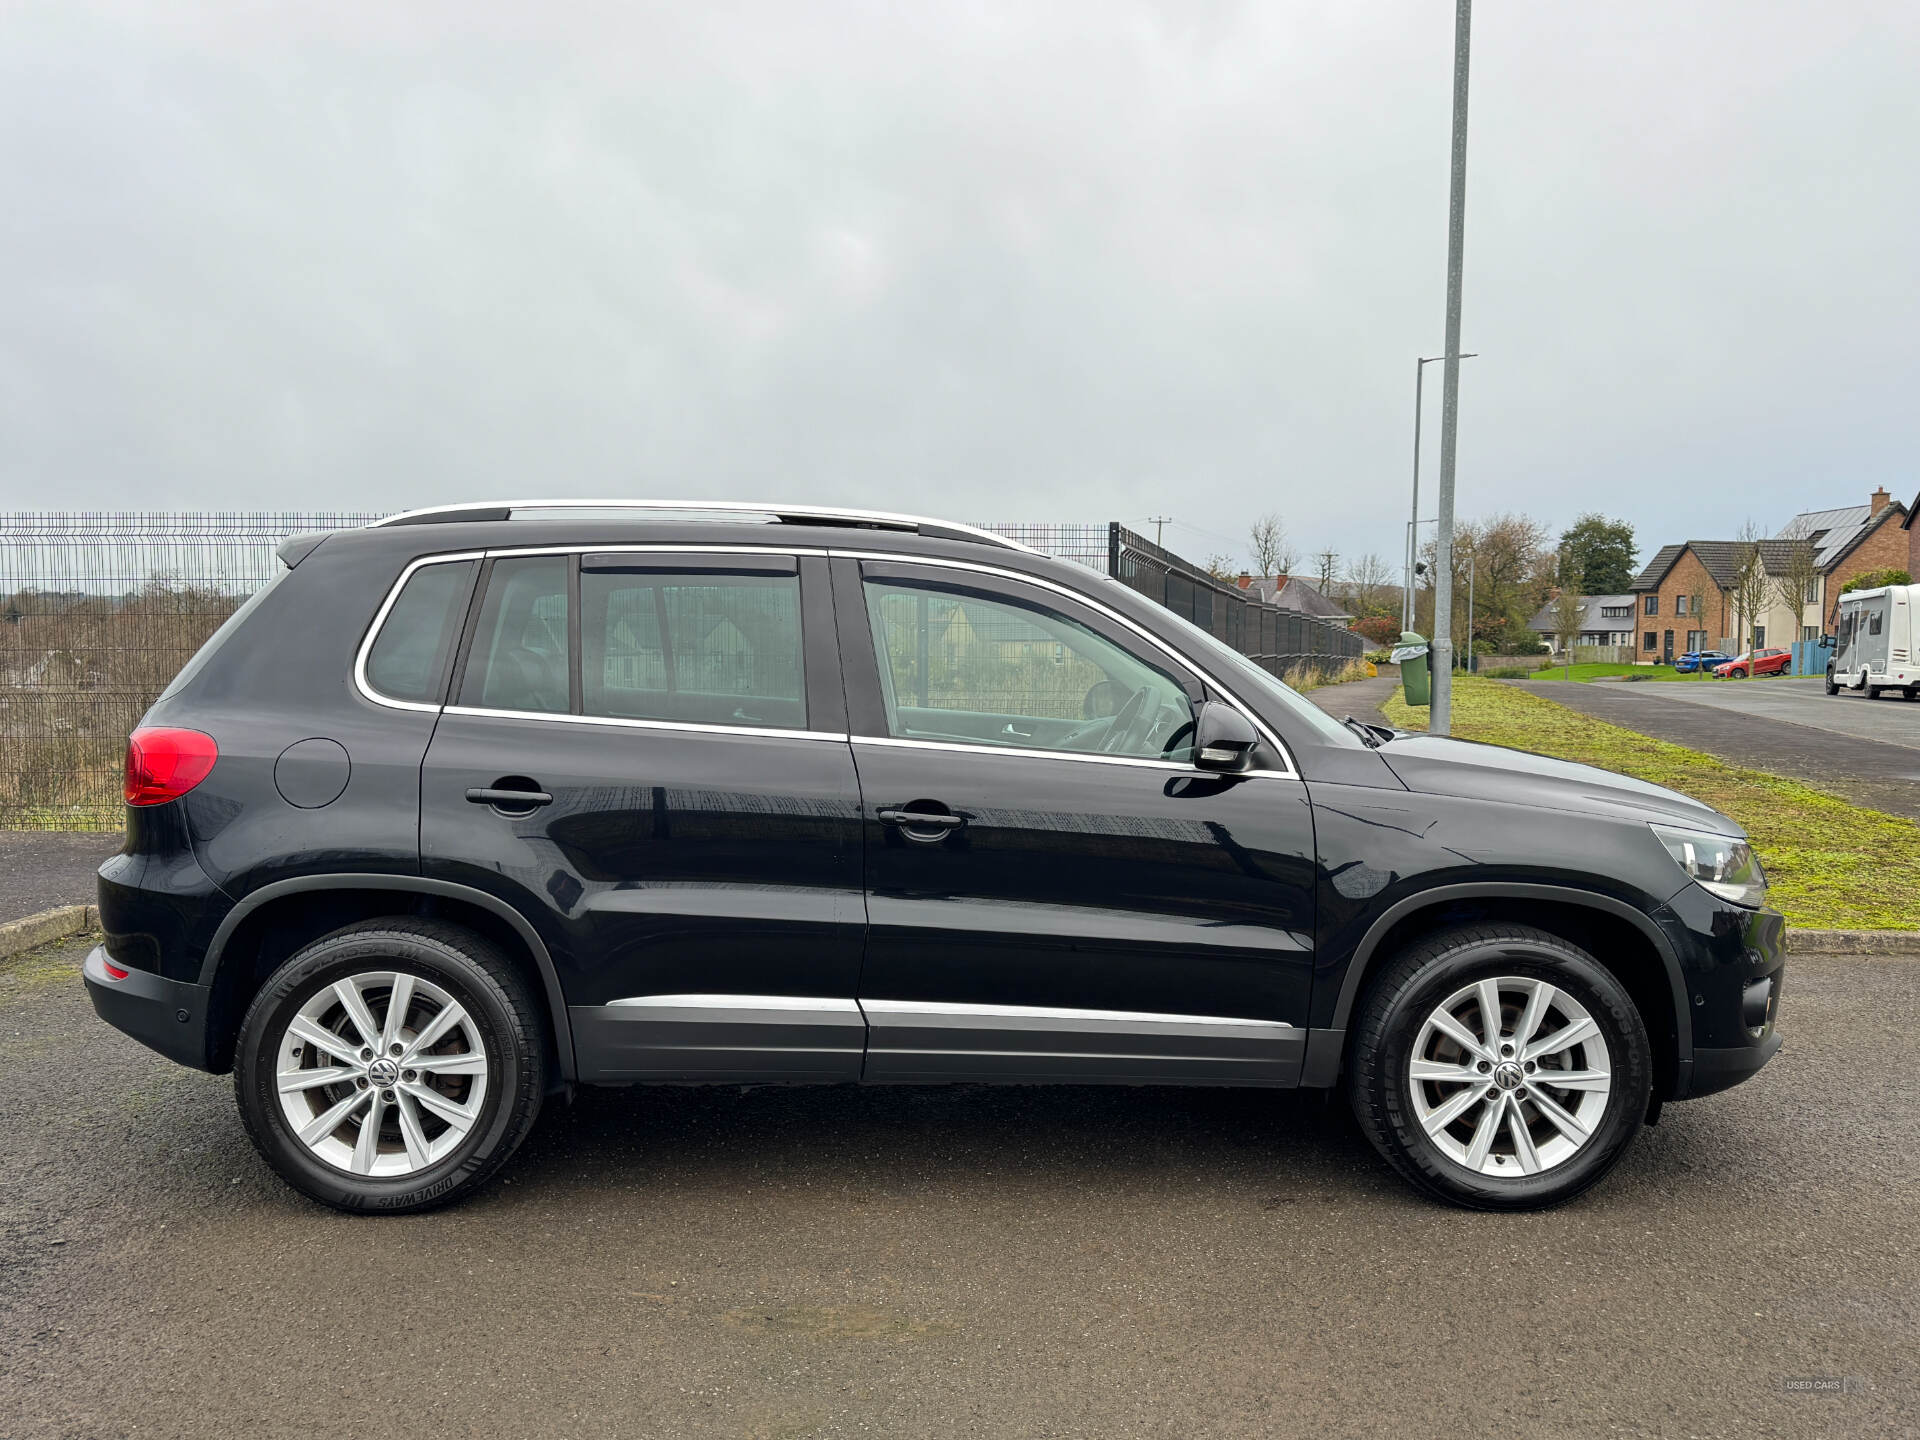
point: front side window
(519, 656)
(958, 666)
(408, 658)
(707, 649)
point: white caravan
(1875, 647)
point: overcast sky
(1053, 261)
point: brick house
(1684, 598)
(1848, 541)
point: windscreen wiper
(1370, 733)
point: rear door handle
(486, 795)
(921, 819)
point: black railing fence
(1282, 642)
(99, 610)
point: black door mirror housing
(1223, 738)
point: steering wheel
(1130, 726)
(534, 672)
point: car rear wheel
(393, 1065)
(1500, 1068)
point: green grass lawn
(1832, 864)
(1604, 672)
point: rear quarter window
(228, 629)
(409, 655)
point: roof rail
(781, 514)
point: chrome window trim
(962, 747)
(765, 732)
(1265, 731)
(797, 1003)
(930, 1010)
(360, 681)
(718, 507)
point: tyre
(1873, 691)
(392, 1066)
(1453, 1049)
(1833, 686)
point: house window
(1653, 608)
(1809, 632)
(1679, 604)
(1652, 640)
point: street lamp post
(1440, 717)
(1406, 592)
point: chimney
(1879, 501)
(1244, 581)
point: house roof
(1835, 532)
(1298, 595)
(1721, 558)
(1591, 619)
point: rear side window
(408, 659)
(694, 647)
(519, 656)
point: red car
(1755, 662)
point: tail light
(164, 764)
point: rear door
(646, 755)
(1055, 892)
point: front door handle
(509, 799)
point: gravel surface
(40, 869)
(963, 1262)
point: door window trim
(1261, 728)
(360, 680)
(784, 552)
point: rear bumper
(167, 1015)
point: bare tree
(1795, 584)
(1272, 553)
(1696, 611)
(1569, 610)
(1326, 565)
(1750, 583)
(1367, 585)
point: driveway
(43, 868)
(1867, 751)
(963, 1262)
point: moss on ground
(1833, 865)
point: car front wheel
(1499, 1067)
(393, 1065)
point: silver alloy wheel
(382, 1074)
(1510, 1076)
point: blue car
(1700, 660)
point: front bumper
(168, 1015)
(1732, 963)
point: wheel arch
(277, 919)
(1620, 937)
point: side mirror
(1223, 740)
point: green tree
(1596, 555)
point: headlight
(1718, 863)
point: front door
(688, 841)
(1666, 648)
(1054, 891)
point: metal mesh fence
(1281, 642)
(99, 610)
(97, 613)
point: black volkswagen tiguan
(481, 803)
